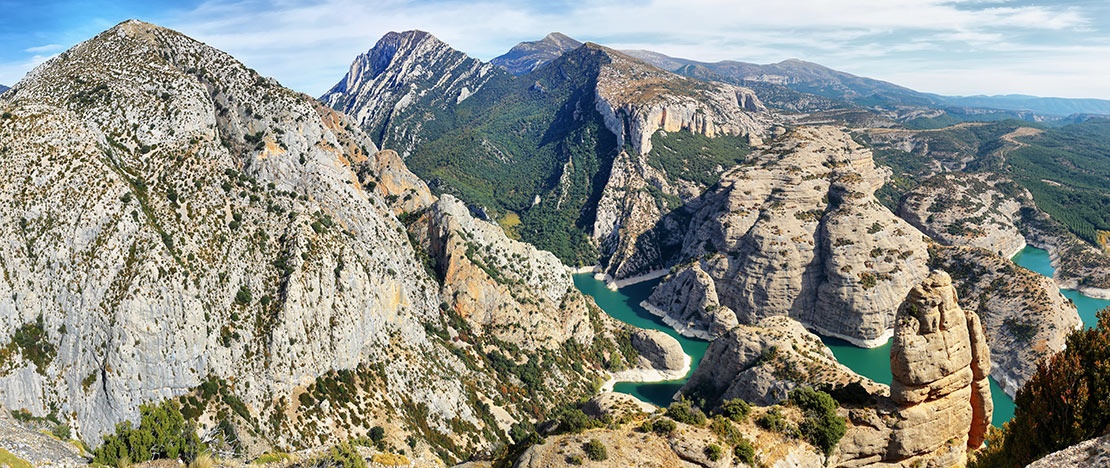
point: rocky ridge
(400, 85)
(527, 56)
(796, 231)
(243, 249)
(546, 132)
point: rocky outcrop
(527, 56)
(35, 447)
(940, 362)
(183, 228)
(796, 231)
(1025, 317)
(397, 87)
(658, 350)
(1093, 452)
(966, 210)
(761, 363)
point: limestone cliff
(183, 228)
(940, 362)
(402, 83)
(796, 231)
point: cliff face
(940, 361)
(400, 85)
(182, 228)
(796, 231)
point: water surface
(624, 305)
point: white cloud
(309, 45)
(44, 49)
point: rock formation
(940, 362)
(183, 228)
(397, 87)
(1024, 315)
(761, 363)
(527, 56)
(795, 231)
(967, 210)
(1093, 452)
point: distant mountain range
(810, 78)
(3, 88)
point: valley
(788, 265)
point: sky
(954, 47)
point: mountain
(797, 75)
(3, 88)
(402, 87)
(794, 231)
(184, 229)
(1040, 105)
(538, 151)
(527, 56)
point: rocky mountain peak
(527, 56)
(402, 75)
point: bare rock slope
(182, 228)
(795, 231)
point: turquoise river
(624, 305)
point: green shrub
(684, 412)
(574, 420)
(346, 455)
(725, 430)
(713, 452)
(821, 426)
(595, 450)
(663, 426)
(744, 452)
(736, 409)
(61, 431)
(773, 420)
(574, 460)
(162, 433)
(243, 296)
(377, 434)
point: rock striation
(400, 85)
(940, 362)
(795, 231)
(527, 56)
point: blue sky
(1047, 48)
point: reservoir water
(1038, 261)
(874, 363)
(624, 305)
